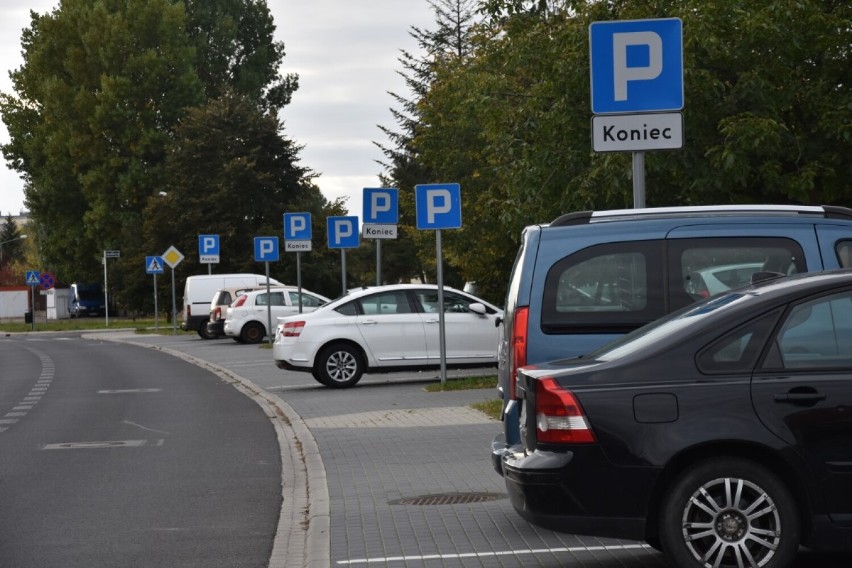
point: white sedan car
(245, 319)
(386, 328)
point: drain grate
(449, 499)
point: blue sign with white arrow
(636, 65)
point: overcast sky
(345, 52)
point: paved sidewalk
(387, 474)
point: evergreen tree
(450, 40)
(12, 238)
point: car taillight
(217, 313)
(293, 328)
(559, 418)
(240, 301)
(519, 346)
(188, 311)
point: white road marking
(104, 444)
(144, 428)
(126, 391)
(574, 549)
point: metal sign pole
(156, 312)
(268, 305)
(106, 293)
(441, 333)
(638, 180)
(299, 278)
(378, 262)
(343, 270)
(32, 310)
(174, 305)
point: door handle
(369, 322)
(803, 398)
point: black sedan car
(721, 434)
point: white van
(199, 290)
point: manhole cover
(449, 499)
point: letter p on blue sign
(636, 65)
(438, 206)
(208, 249)
(266, 249)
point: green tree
(413, 254)
(235, 49)
(101, 85)
(13, 241)
(232, 173)
(768, 117)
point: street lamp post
(9, 241)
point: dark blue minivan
(588, 277)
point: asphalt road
(388, 450)
(114, 455)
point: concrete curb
(302, 538)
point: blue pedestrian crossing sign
(154, 265)
(33, 277)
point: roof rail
(577, 218)
(837, 212)
(585, 217)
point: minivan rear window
(604, 288)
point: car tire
(252, 332)
(339, 366)
(706, 517)
(317, 377)
(202, 332)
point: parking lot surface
(405, 475)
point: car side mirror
(477, 308)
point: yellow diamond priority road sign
(172, 257)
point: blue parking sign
(381, 205)
(297, 226)
(208, 249)
(438, 206)
(636, 65)
(343, 232)
(266, 249)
